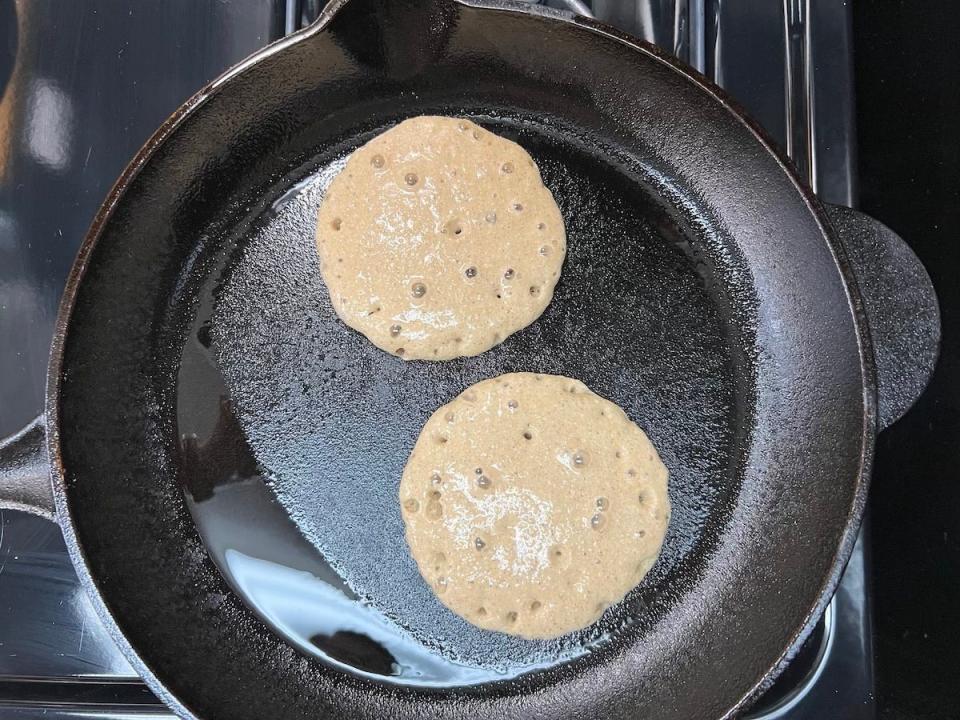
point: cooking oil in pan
(249, 525)
(278, 572)
(296, 430)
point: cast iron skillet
(706, 291)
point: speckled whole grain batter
(438, 239)
(531, 504)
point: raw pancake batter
(531, 504)
(438, 239)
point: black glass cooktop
(86, 82)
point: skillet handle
(398, 37)
(901, 307)
(25, 471)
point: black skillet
(706, 291)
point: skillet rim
(864, 344)
(78, 270)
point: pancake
(438, 239)
(532, 504)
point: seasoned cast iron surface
(331, 419)
(751, 557)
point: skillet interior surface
(217, 413)
(329, 420)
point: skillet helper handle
(901, 307)
(25, 471)
(398, 37)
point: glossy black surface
(117, 378)
(87, 83)
(330, 419)
(63, 146)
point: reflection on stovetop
(86, 84)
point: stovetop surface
(86, 82)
